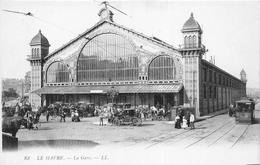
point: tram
(244, 111)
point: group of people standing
(73, 111)
(184, 121)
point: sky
(230, 29)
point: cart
(127, 116)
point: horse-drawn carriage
(54, 109)
(66, 107)
(86, 109)
(160, 114)
(244, 111)
(127, 116)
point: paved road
(217, 138)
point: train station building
(143, 70)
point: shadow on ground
(144, 125)
(57, 143)
(200, 127)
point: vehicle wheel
(120, 122)
(136, 121)
(115, 122)
(139, 121)
(133, 121)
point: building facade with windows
(144, 70)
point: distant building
(144, 70)
(253, 92)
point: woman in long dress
(177, 122)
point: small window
(205, 92)
(205, 74)
(210, 92)
(215, 92)
(210, 76)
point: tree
(10, 93)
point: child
(184, 123)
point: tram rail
(239, 137)
(196, 131)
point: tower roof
(39, 39)
(191, 24)
(242, 72)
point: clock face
(104, 14)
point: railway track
(196, 131)
(239, 137)
(211, 134)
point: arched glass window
(57, 73)
(162, 68)
(190, 41)
(185, 40)
(194, 40)
(37, 52)
(107, 57)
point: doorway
(158, 98)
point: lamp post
(112, 93)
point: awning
(149, 88)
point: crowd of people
(184, 121)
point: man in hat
(192, 120)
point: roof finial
(191, 15)
(40, 31)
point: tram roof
(148, 88)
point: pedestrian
(169, 107)
(181, 114)
(230, 111)
(157, 106)
(47, 114)
(77, 116)
(177, 122)
(184, 123)
(17, 110)
(142, 115)
(188, 118)
(30, 120)
(62, 116)
(73, 116)
(192, 120)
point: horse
(39, 111)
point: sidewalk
(198, 119)
(211, 115)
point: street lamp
(112, 93)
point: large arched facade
(107, 57)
